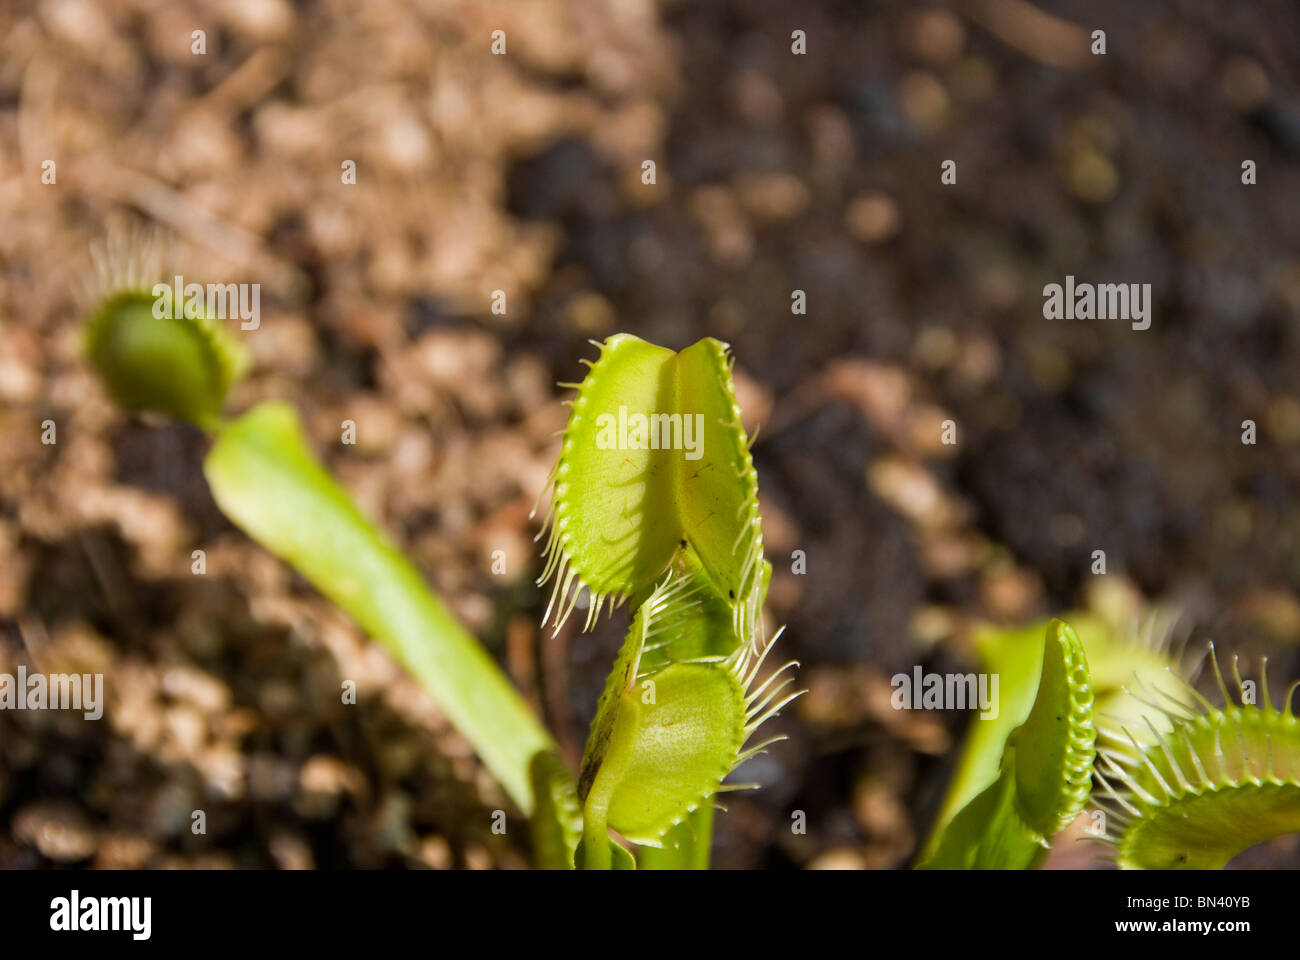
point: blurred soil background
(522, 173)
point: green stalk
(267, 481)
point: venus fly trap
(680, 537)
(1210, 781)
(654, 505)
(1015, 656)
(1043, 777)
(1184, 783)
(619, 517)
(265, 478)
(178, 366)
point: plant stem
(265, 479)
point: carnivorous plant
(654, 506)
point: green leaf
(265, 479)
(1045, 774)
(1015, 657)
(988, 834)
